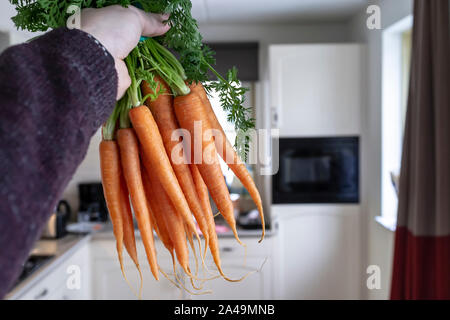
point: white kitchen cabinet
(68, 280)
(108, 282)
(95, 266)
(236, 264)
(315, 89)
(318, 251)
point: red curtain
(422, 241)
(421, 267)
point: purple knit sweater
(55, 92)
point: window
(396, 57)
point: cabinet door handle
(42, 294)
(227, 249)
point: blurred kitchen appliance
(317, 170)
(56, 224)
(31, 265)
(92, 202)
(250, 220)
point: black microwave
(317, 170)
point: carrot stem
(108, 129)
(166, 65)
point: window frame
(392, 115)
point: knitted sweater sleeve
(55, 92)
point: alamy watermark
(374, 279)
(74, 21)
(73, 281)
(200, 146)
(373, 21)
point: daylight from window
(395, 85)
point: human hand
(119, 29)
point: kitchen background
(320, 73)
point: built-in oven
(317, 170)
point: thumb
(152, 23)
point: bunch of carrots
(138, 166)
(136, 154)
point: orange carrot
(173, 221)
(110, 171)
(214, 242)
(128, 225)
(129, 153)
(202, 191)
(190, 111)
(153, 149)
(163, 113)
(159, 224)
(129, 239)
(229, 155)
(162, 232)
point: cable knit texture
(55, 92)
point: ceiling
(274, 11)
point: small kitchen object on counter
(56, 224)
(92, 213)
(249, 220)
(85, 227)
(247, 216)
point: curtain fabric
(422, 241)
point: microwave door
(347, 171)
(317, 170)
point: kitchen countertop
(106, 233)
(61, 249)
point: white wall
(380, 240)
(6, 12)
(88, 171)
(4, 40)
